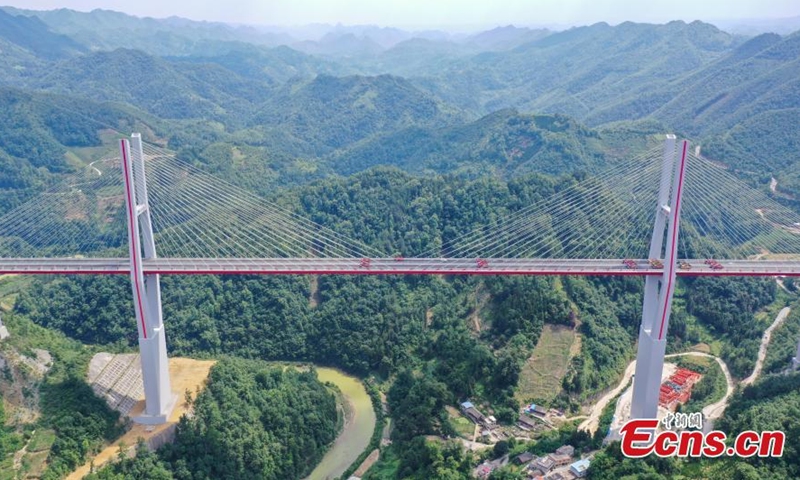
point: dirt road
(762, 350)
(710, 412)
(714, 411)
(592, 422)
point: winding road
(91, 165)
(593, 421)
(710, 412)
(714, 411)
(762, 350)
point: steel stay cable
(280, 216)
(191, 186)
(558, 230)
(181, 225)
(518, 217)
(713, 197)
(25, 211)
(182, 222)
(305, 223)
(555, 221)
(564, 239)
(195, 187)
(20, 216)
(717, 198)
(558, 225)
(255, 219)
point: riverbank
(359, 424)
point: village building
(580, 468)
(472, 413)
(557, 476)
(536, 410)
(484, 470)
(526, 423)
(677, 389)
(566, 450)
(544, 464)
(523, 458)
(560, 460)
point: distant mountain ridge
(167, 89)
(32, 34)
(329, 112)
(579, 70)
(174, 36)
(109, 30)
(506, 38)
(504, 143)
(416, 90)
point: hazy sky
(420, 13)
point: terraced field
(542, 373)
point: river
(358, 426)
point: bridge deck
(387, 266)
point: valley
(400, 141)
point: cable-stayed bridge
(390, 266)
(622, 221)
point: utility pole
(658, 290)
(159, 398)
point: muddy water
(359, 425)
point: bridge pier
(658, 291)
(159, 399)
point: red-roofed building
(678, 388)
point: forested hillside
(328, 112)
(38, 133)
(32, 34)
(733, 94)
(251, 421)
(419, 329)
(403, 141)
(581, 70)
(768, 405)
(167, 89)
(504, 143)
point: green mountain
(33, 35)
(43, 136)
(413, 57)
(505, 38)
(738, 97)
(17, 63)
(747, 107)
(177, 90)
(503, 143)
(577, 71)
(272, 65)
(109, 30)
(759, 76)
(328, 113)
(27, 46)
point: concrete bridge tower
(159, 399)
(658, 290)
